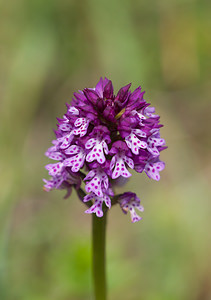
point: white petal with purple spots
(54, 169)
(66, 140)
(90, 143)
(139, 132)
(65, 127)
(131, 208)
(96, 208)
(120, 168)
(83, 125)
(153, 169)
(129, 202)
(97, 152)
(98, 182)
(89, 197)
(156, 141)
(73, 149)
(129, 161)
(76, 161)
(56, 155)
(113, 161)
(134, 143)
(90, 175)
(80, 121)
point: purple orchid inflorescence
(104, 135)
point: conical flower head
(105, 135)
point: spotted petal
(96, 154)
(98, 182)
(95, 186)
(156, 141)
(56, 155)
(96, 208)
(153, 169)
(90, 143)
(139, 132)
(120, 169)
(133, 214)
(129, 202)
(129, 161)
(83, 125)
(73, 149)
(54, 169)
(90, 175)
(134, 143)
(113, 161)
(65, 127)
(89, 197)
(66, 140)
(76, 161)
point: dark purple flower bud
(108, 90)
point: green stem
(98, 250)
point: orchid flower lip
(106, 135)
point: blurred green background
(48, 50)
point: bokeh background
(48, 50)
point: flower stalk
(99, 256)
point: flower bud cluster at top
(105, 135)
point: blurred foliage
(48, 50)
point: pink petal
(65, 127)
(73, 149)
(79, 122)
(55, 155)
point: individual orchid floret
(97, 206)
(129, 202)
(81, 125)
(99, 140)
(152, 169)
(65, 180)
(76, 161)
(98, 181)
(98, 144)
(119, 159)
(55, 169)
(135, 143)
(154, 141)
